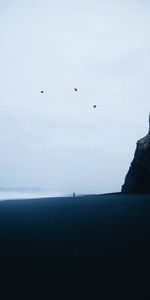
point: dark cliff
(138, 177)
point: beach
(105, 237)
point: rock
(138, 177)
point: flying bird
(42, 92)
(94, 106)
(75, 89)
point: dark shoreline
(67, 230)
(105, 237)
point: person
(74, 195)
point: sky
(56, 139)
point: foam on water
(27, 193)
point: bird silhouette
(42, 92)
(94, 106)
(75, 89)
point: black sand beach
(100, 243)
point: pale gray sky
(56, 139)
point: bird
(42, 92)
(94, 106)
(75, 89)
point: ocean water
(27, 193)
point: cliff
(137, 179)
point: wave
(25, 193)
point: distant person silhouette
(74, 195)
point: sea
(12, 193)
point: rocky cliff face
(138, 177)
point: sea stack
(137, 179)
